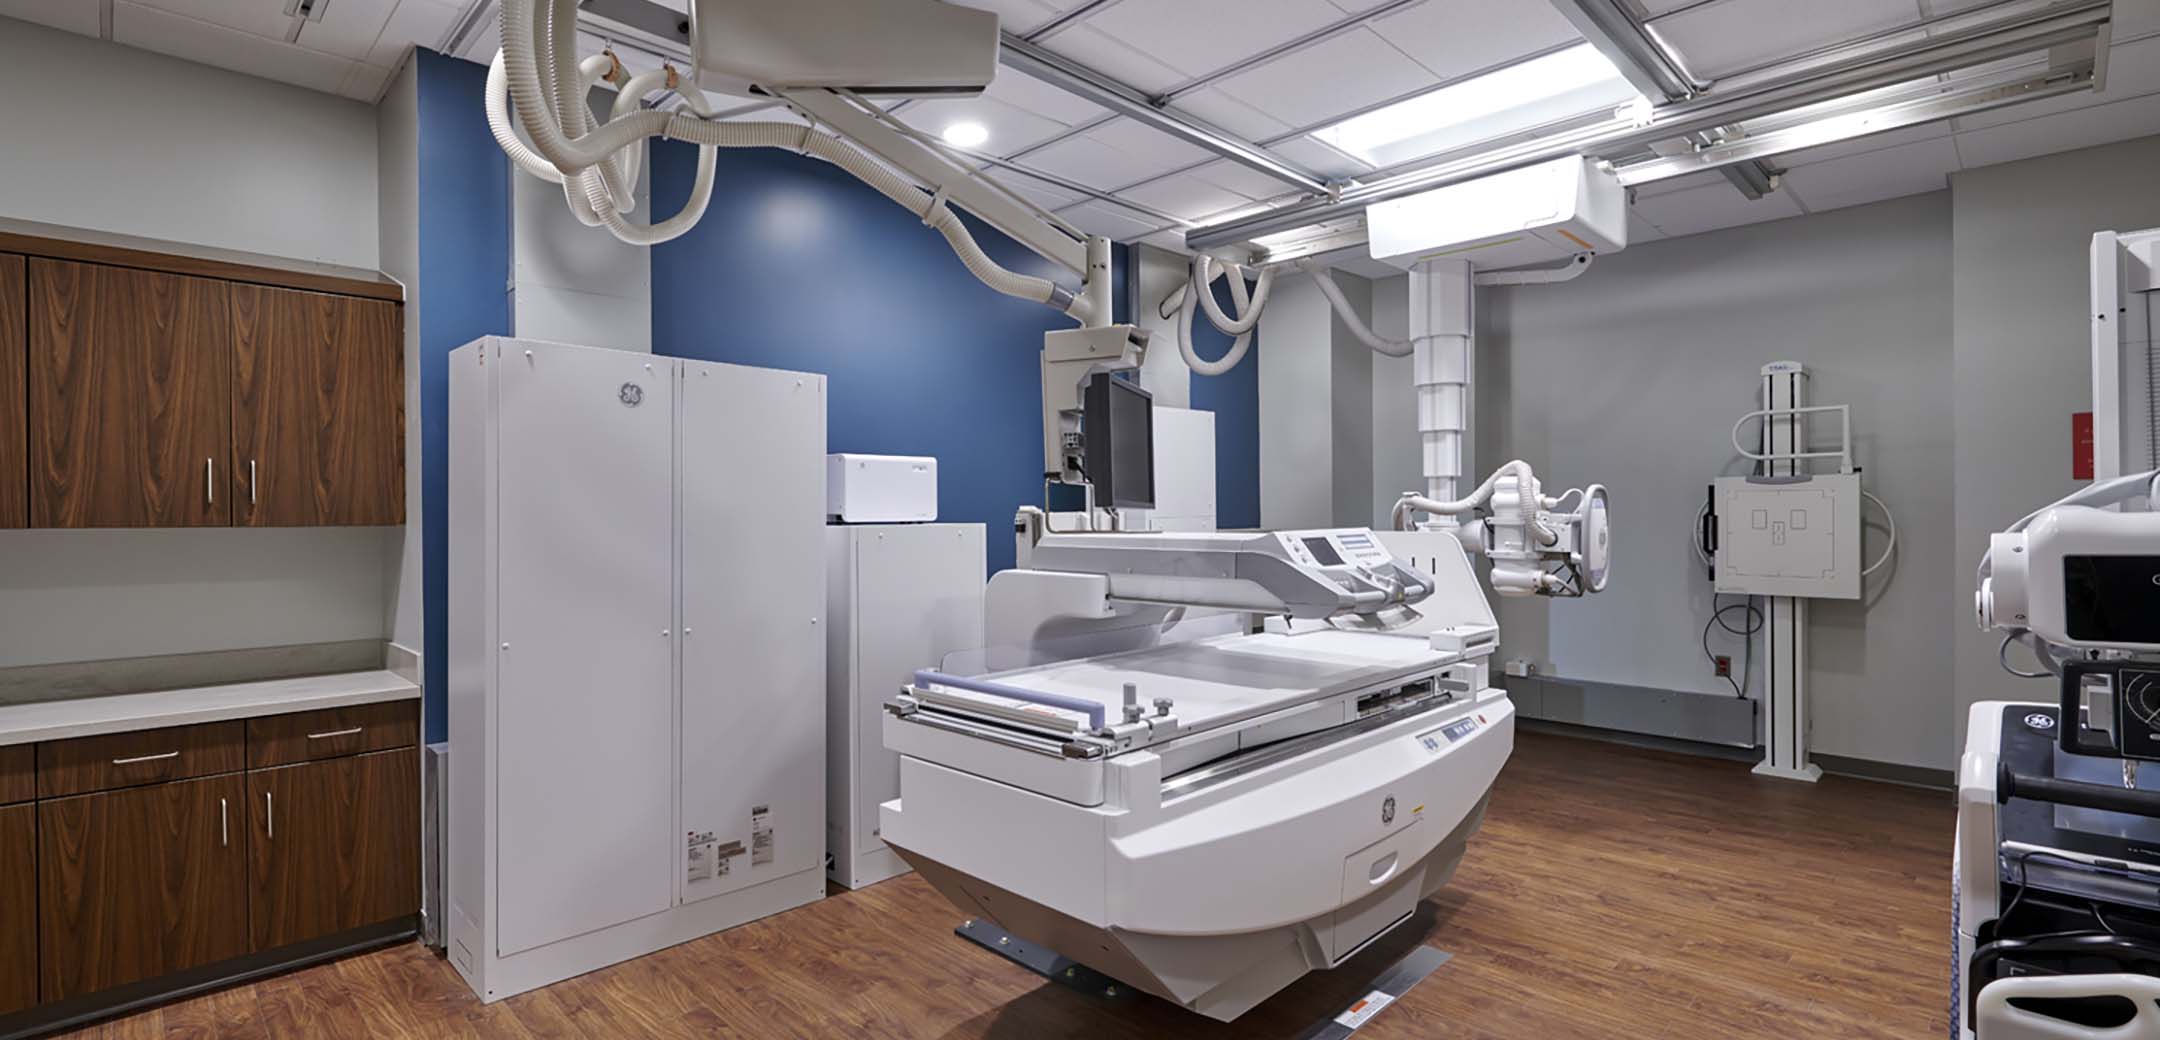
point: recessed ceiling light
(1507, 100)
(966, 135)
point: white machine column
(1442, 327)
(1785, 727)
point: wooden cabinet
(139, 883)
(130, 397)
(14, 375)
(318, 409)
(304, 736)
(18, 908)
(149, 756)
(335, 845)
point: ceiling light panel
(1527, 94)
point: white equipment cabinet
(636, 591)
(901, 597)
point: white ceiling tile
(1025, 92)
(261, 17)
(1365, 267)
(1011, 129)
(1185, 196)
(2133, 71)
(1087, 159)
(365, 83)
(1319, 158)
(1213, 106)
(1047, 196)
(1197, 37)
(2062, 132)
(1129, 136)
(1328, 80)
(1020, 16)
(1115, 59)
(1244, 180)
(1172, 239)
(1712, 206)
(349, 28)
(1097, 218)
(2134, 18)
(1860, 145)
(1873, 176)
(1728, 35)
(166, 33)
(1453, 38)
(414, 22)
(75, 16)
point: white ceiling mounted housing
(883, 48)
(1538, 214)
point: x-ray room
(1025, 519)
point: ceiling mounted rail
(1956, 43)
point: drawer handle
(224, 825)
(145, 758)
(335, 733)
(269, 816)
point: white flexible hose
(1248, 311)
(1236, 353)
(1418, 503)
(1888, 547)
(1358, 328)
(561, 138)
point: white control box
(1789, 536)
(881, 489)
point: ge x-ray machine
(1201, 763)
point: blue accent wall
(1234, 397)
(463, 295)
(796, 265)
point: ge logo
(1387, 810)
(2040, 720)
(631, 394)
(2156, 579)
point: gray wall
(2022, 361)
(1633, 375)
(1316, 389)
(114, 139)
(1397, 463)
(111, 138)
(398, 173)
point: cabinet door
(334, 845)
(140, 883)
(18, 908)
(14, 374)
(130, 398)
(753, 654)
(318, 409)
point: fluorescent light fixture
(1520, 97)
(966, 135)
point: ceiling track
(1087, 84)
(1809, 81)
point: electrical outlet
(1723, 664)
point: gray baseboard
(1648, 711)
(1687, 723)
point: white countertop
(90, 716)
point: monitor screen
(1118, 432)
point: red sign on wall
(2081, 445)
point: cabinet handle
(251, 482)
(224, 825)
(269, 816)
(145, 758)
(335, 733)
(209, 481)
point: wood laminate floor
(1614, 892)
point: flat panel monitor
(1118, 430)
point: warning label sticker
(761, 835)
(1363, 1011)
